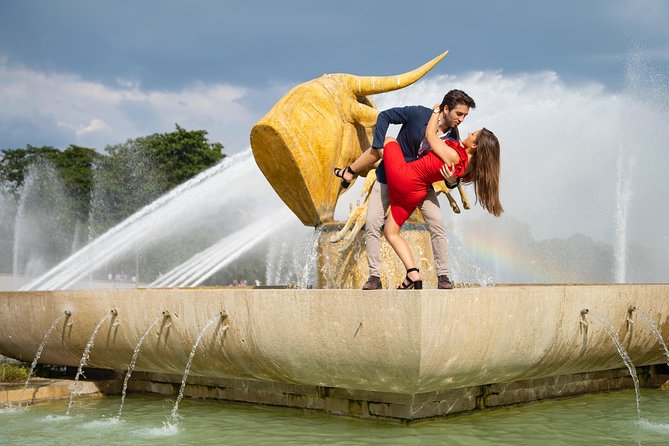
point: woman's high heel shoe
(409, 284)
(340, 172)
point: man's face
(454, 117)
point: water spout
(657, 333)
(624, 355)
(174, 416)
(165, 314)
(39, 353)
(84, 360)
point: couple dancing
(427, 149)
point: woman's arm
(439, 147)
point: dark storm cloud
(169, 44)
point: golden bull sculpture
(317, 125)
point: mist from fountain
(625, 170)
(42, 228)
(206, 199)
(291, 257)
(206, 263)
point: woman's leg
(368, 157)
(392, 233)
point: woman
(475, 160)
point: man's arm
(397, 115)
(439, 147)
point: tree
(138, 171)
(73, 164)
(181, 154)
(15, 163)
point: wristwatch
(454, 185)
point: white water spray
(625, 170)
(82, 363)
(176, 210)
(174, 416)
(204, 264)
(133, 361)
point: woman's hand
(447, 171)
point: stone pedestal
(347, 268)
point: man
(454, 108)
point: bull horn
(365, 85)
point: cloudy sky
(576, 90)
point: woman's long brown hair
(485, 172)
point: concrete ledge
(396, 406)
(42, 389)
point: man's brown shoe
(444, 283)
(373, 283)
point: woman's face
(470, 141)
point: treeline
(84, 192)
(148, 166)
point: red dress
(408, 183)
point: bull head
(317, 125)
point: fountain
(174, 415)
(133, 361)
(382, 354)
(84, 359)
(623, 355)
(33, 365)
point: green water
(603, 419)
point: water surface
(602, 419)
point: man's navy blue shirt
(414, 120)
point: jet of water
(39, 353)
(84, 360)
(204, 264)
(623, 354)
(656, 331)
(133, 361)
(623, 195)
(183, 204)
(174, 416)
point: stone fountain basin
(406, 342)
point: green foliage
(181, 154)
(14, 164)
(73, 164)
(139, 170)
(102, 189)
(13, 372)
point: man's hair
(456, 97)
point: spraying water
(82, 363)
(623, 354)
(133, 361)
(623, 195)
(174, 416)
(179, 210)
(39, 353)
(656, 331)
(201, 266)
(42, 229)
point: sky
(577, 91)
(95, 73)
